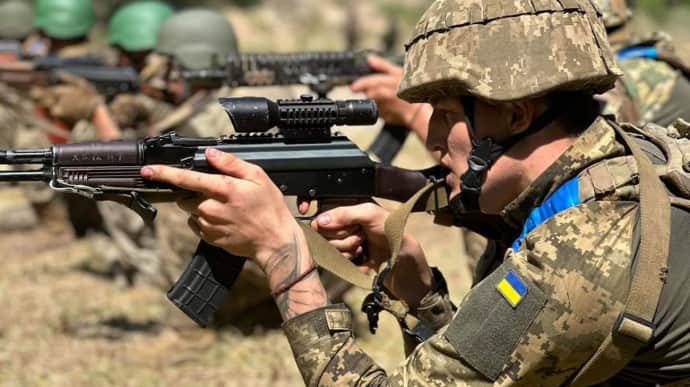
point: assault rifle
(303, 159)
(108, 80)
(321, 71)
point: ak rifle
(303, 159)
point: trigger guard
(134, 201)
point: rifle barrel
(26, 156)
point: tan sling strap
(433, 196)
(634, 327)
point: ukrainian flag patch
(512, 288)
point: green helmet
(197, 38)
(134, 27)
(16, 18)
(615, 13)
(508, 52)
(64, 19)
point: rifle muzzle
(26, 156)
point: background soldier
(534, 166)
(656, 84)
(133, 31)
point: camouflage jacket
(540, 315)
(656, 85)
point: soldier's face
(449, 136)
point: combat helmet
(500, 53)
(197, 38)
(480, 49)
(134, 27)
(16, 19)
(64, 19)
(615, 13)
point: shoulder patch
(492, 319)
(512, 288)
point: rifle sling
(635, 327)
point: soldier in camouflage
(63, 26)
(534, 167)
(133, 31)
(656, 84)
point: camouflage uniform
(568, 275)
(658, 89)
(656, 82)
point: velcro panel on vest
(495, 315)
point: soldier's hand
(71, 101)
(347, 228)
(383, 88)
(239, 210)
(127, 110)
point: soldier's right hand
(382, 87)
(347, 228)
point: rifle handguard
(205, 284)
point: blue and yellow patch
(512, 288)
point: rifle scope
(256, 114)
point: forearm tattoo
(284, 267)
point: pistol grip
(205, 284)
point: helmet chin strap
(485, 151)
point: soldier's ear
(524, 112)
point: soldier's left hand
(239, 210)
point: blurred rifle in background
(321, 71)
(108, 80)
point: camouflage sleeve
(534, 321)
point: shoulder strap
(634, 327)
